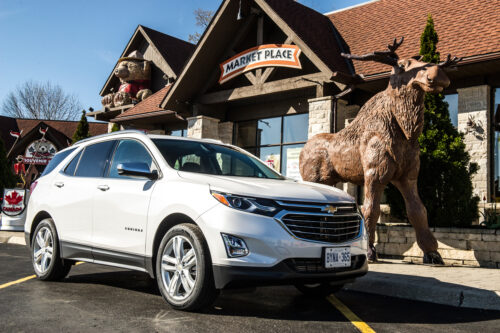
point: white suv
(198, 215)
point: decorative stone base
(457, 246)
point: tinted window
(70, 169)
(269, 131)
(129, 151)
(212, 159)
(94, 159)
(295, 128)
(56, 160)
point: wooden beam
(251, 78)
(294, 83)
(260, 40)
(270, 70)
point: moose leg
(417, 214)
(371, 211)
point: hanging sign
(269, 55)
(39, 152)
(13, 201)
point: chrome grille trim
(321, 227)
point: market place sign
(39, 152)
(269, 55)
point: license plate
(337, 257)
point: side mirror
(137, 170)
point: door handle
(59, 184)
(103, 187)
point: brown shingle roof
(150, 104)
(175, 51)
(315, 30)
(465, 28)
(63, 129)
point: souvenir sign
(39, 152)
(13, 201)
(269, 55)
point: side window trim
(107, 158)
(79, 154)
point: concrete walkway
(456, 286)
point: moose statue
(380, 145)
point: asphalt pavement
(99, 298)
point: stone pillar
(320, 115)
(474, 108)
(226, 132)
(203, 127)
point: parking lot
(105, 299)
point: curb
(427, 290)
(13, 240)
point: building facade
(267, 75)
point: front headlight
(251, 205)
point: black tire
(58, 268)
(318, 289)
(203, 293)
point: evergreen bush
(82, 131)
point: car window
(56, 160)
(214, 159)
(71, 167)
(129, 151)
(94, 159)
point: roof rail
(110, 134)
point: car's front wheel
(184, 269)
(46, 259)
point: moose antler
(386, 57)
(449, 61)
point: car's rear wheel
(46, 259)
(318, 289)
(184, 269)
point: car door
(121, 208)
(75, 188)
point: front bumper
(290, 271)
(271, 250)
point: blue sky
(76, 43)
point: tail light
(32, 186)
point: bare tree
(38, 100)
(203, 18)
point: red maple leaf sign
(14, 198)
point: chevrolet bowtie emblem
(330, 209)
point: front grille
(340, 226)
(315, 265)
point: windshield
(213, 159)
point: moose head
(411, 72)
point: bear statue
(134, 73)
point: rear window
(70, 169)
(94, 159)
(56, 160)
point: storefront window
(276, 141)
(181, 132)
(452, 101)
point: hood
(288, 189)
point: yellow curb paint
(24, 279)
(355, 320)
(8, 284)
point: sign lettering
(269, 55)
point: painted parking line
(351, 316)
(27, 278)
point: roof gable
(166, 52)
(294, 20)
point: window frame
(281, 145)
(106, 166)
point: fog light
(235, 247)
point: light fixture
(235, 246)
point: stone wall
(226, 132)
(203, 127)
(320, 115)
(457, 246)
(474, 122)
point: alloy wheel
(43, 250)
(179, 268)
